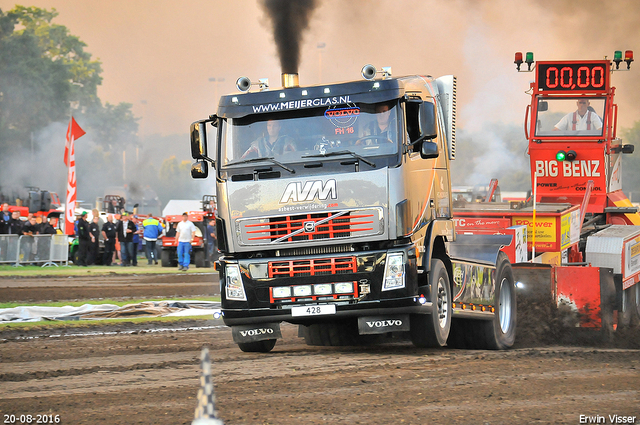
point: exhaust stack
(290, 80)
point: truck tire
(331, 334)
(432, 330)
(263, 346)
(199, 258)
(461, 334)
(500, 332)
(165, 257)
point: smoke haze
(289, 20)
(173, 59)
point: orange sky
(165, 51)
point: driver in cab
(582, 119)
(271, 143)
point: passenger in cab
(380, 130)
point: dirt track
(108, 286)
(153, 378)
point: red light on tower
(628, 58)
(518, 60)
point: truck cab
(333, 203)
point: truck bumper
(363, 269)
(233, 317)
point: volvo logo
(384, 323)
(309, 226)
(255, 332)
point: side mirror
(429, 150)
(198, 140)
(421, 120)
(199, 170)
(428, 121)
(543, 106)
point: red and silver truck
(585, 250)
(335, 214)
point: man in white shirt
(581, 120)
(185, 232)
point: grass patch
(88, 324)
(36, 271)
(118, 302)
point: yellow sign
(545, 229)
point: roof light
(617, 58)
(518, 60)
(529, 60)
(327, 90)
(282, 95)
(304, 92)
(628, 58)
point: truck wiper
(353, 154)
(266, 158)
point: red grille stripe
(287, 220)
(327, 232)
(336, 227)
(293, 268)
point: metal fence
(41, 250)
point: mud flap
(253, 333)
(372, 325)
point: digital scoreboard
(573, 76)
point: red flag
(74, 132)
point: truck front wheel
(263, 346)
(432, 330)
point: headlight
(234, 287)
(302, 291)
(344, 287)
(322, 289)
(394, 272)
(282, 292)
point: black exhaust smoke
(289, 19)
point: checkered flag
(206, 413)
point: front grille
(310, 227)
(316, 250)
(315, 267)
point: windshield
(570, 116)
(305, 135)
